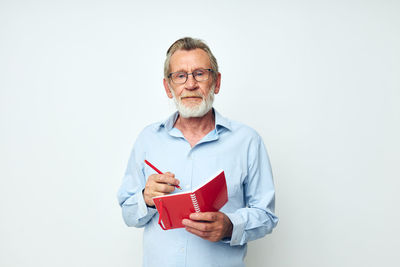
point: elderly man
(192, 145)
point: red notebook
(210, 196)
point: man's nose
(191, 82)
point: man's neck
(195, 128)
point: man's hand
(159, 185)
(212, 226)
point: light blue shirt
(231, 146)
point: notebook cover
(173, 208)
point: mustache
(192, 94)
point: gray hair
(187, 44)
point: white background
(319, 80)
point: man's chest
(194, 166)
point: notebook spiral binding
(195, 203)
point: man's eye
(180, 75)
(199, 73)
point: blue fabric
(231, 146)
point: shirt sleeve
(256, 219)
(134, 209)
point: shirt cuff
(237, 231)
(144, 210)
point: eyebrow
(182, 70)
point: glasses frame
(187, 75)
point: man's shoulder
(241, 128)
(234, 126)
(155, 128)
(146, 136)
(150, 129)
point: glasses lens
(179, 77)
(201, 75)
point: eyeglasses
(199, 75)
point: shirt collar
(220, 121)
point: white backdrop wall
(319, 80)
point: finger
(197, 232)
(157, 194)
(158, 178)
(169, 174)
(200, 226)
(166, 179)
(151, 193)
(210, 236)
(204, 216)
(149, 197)
(164, 188)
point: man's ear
(166, 87)
(217, 83)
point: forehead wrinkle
(188, 61)
(190, 70)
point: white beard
(194, 111)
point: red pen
(157, 170)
